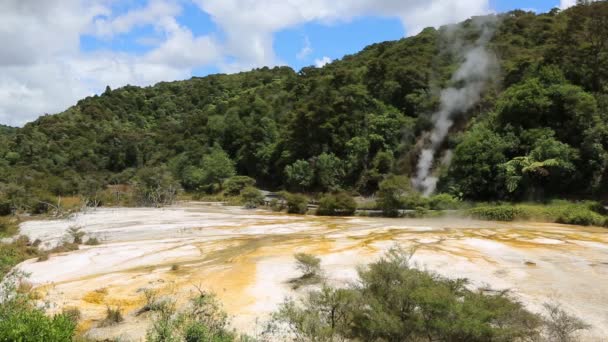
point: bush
(340, 204)
(561, 326)
(581, 217)
(155, 187)
(73, 313)
(9, 226)
(557, 211)
(234, 185)
(21, 320)
(308, 264)
(392, 194)
(43, 256)
(76, 234)
(496, 213)
(277, 205)
(296, 203)
(65, 247)
(444, 202)
(113, 316)
(310, 267)
(252, 197)
(393, 301)
(92, 241)
(13, 253)
(202, 320)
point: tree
(475, 170)
(155, 186)
(308, 264)
(300, 175)
(329, 171)
(217, 166)
(548, 164)
(392, 194)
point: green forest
(538, 133)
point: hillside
(539, 131)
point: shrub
(557, 211)
(30, 324)
(234, 185)
(496, 213)
(392, 194)
(202, 320)
(444, 202)
(21, 320)
(561, 326)
(153, 303)
(9, 226)
(76, 234)
(308, 264)
(277, 205)
(43, 256)
(73, 313)
(175, 267)
(296, 203)
(581, 218)
(393, 301)
(65, 247)
(340, 204)
(252, 197)
(15, 252)
(92, 241)
(155, 187)
(113, 316)
(24, 287)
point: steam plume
(470, 78)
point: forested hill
(538, 132)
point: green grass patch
(577, 213)
(13, 253)
(9, 226)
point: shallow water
(246, 258)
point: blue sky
(51, 61)
(332, 40)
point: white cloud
(155, 12)
(319, 63)
(44, 70)
(567, 3)
(306, 49)
(249, 25)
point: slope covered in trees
(538, 132)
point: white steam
(478, 66)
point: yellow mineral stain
(246, 258)
(96, 297)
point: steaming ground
(479, 66)
(246, 258)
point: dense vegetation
(393, 301)
(22, 320)
(539, 131)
